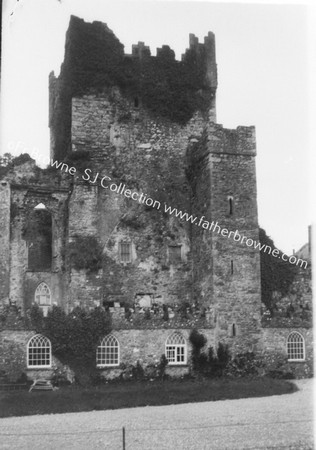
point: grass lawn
(132, 394)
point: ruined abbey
(136, 155)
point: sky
(265, 69)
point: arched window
(43, 297)
(38, 234)
(176, 349)
(108, 352)
(295, 347)
(39, 352)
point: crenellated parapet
(140, 50)
(165, 88)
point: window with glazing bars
(295, 347)
(176, 349)
(108, 352)
(39, 352)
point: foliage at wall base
(74, 336)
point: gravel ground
(277, 422)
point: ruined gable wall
(24, 281)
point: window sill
(177, 365)
(112, 366)
(38, 367)
(296, 360)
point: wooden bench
(42, 385)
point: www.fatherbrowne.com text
(106, 183)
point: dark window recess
(175, 254)
(234, 330)
(232, 267)
(38, 235)
(136, 102)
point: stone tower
(149, 122)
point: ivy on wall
(74, 336)
(85, 252)
(276, 275)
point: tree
(276, 275)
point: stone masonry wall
(147, 155)
(5, 200)
(147, 346)
(23, 281)
(13, 358)
(274, 343)
(224, 185)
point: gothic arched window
(295, 347)
(108, 352)
(39, 352)
(176, 349)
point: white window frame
(176, 343)
(103, 346)
(39, 337)
(301, 342)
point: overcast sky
(264, 79)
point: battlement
(166, 52)
(95, 60)
(241, 140)
(140, 50)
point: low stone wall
(147, 347)
(274, 342)
(13, 358)
(13, 354)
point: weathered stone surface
(140, 134)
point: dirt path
(278, 422)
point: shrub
(210, 363)
(162, 366)
(198, 341)
(243, 364)
(147, 314)
(138, 372)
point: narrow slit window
(136, 102)
(234, 331)
(231, 205)
(231, 267)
